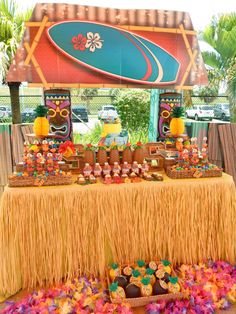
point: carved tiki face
(59, 113)
(164, 119)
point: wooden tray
(15, 181)
(189, 174)
(142, 301)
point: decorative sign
(59, 114)
(115, 52)
(166, 104)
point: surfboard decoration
(115, 52)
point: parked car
(79, 112)
(108, 112)
(222, 112)
(200, 112)
(27, 115)
(5, 112)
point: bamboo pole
(129, 27)
(187, 71)
(36, 39)
(37, 67)
(188, 47)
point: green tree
(114, 93)
(11, 32)
(221, 36)
(87, 95)
(133, 107)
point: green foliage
(41, 111)
(133, 107)
(89, 93)
(187, 99)
(220, 34)
(11, 32)
(92, 136)
(136, 136)
(205, 92)
(231, 89)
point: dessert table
(51, 233)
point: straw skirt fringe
(50, 234)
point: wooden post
(15, 102)
(152, 131)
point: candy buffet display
(141, 282)
(192, 162)
(42, 165)
(117, 173)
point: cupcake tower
(193, 162)
(142, 280)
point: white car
(5, 112)
(108, 113)
(200, 112)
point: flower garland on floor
(81, 295)
(209, 287)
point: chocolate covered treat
(122, 281)
(133, 291)
(160, 287)
(161, 274)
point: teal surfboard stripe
(119, 56)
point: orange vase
(138, 155)
(101, 156)
(89, 157)
(127, 156)
(114, 156)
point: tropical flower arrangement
(113, 146)
(102, 146)
(89, 147)
(138, 145)
(127, 146)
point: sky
(201, 11)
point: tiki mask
(59, 112)
(166, 104)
